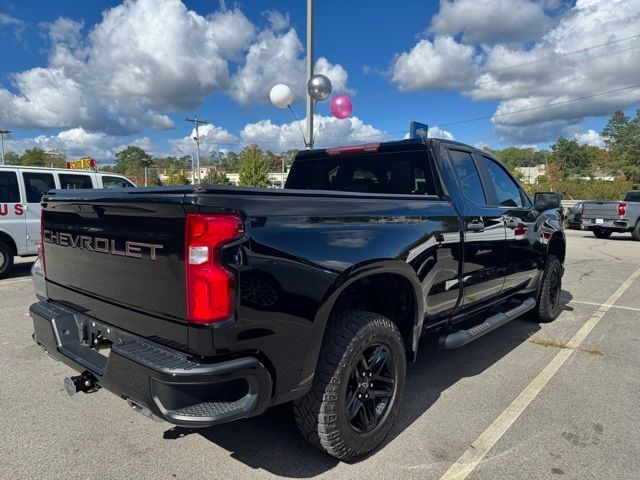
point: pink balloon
(341, 106)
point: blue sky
(87, 78)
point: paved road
(579, 422)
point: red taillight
(41, 243)
(211, 289)
(366, 148)
(520, 230)
(622, 209)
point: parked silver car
(604, 218)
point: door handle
(475, 226)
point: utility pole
(310, 62)
(2, 134)
(197, 123)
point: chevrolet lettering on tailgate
(102, 245)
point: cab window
(468, 176)
(37, 184)
(9, 190)
(115, 182)
(507, 190)
(72, 182)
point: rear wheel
(358, 386)
(600, 233)
(549, 306)
(6, 259)
(635, 234)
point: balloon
(319, 88)
(281, 95)
(341, 106)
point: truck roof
(395, 146)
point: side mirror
(547, 201)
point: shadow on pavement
(21, 269)
(271, 441)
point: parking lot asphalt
(558, 400)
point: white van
(21, 189)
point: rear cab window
(37, 184)
(9, 189)
(632, 196)
(74, 181)
(402, 173)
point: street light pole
(197, 123)
(310, 62)
(2, 134)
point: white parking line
(16, 281)
(478, 449)
(601, 304)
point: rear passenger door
(12, 219)
(484, 232)
(36, 184)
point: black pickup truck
(204, 304)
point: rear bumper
(612, 224)
(151, 377)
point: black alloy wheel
(371, 388)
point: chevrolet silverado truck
(199, 305)
(605, 218)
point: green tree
(11, 158)
(37, 157)
(571, 157)
(131, 162)
(178, 178)
(216, 177)
(254, 168)
(622, 137)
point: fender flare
(359, 272)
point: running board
(462, 337)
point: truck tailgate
(600, 210)
(119, 257)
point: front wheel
(549, 306)
(357, 388)
(600, 233)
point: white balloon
(281, 95)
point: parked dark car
(573, 218)
(204, 304)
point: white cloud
(332, 132)
(443, 64)
(149, 57)
(492, 63)
(590, 137)
(276, 57)
(77, 143)
(490, 21)
(435, 132)
(12, 23)
(211, 138)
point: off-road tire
(6, 259)
(548, 306)
(321, 415)
(600, 233)
(635, 233)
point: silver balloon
(319, 87)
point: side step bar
(462, 337)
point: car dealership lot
(581, 423)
